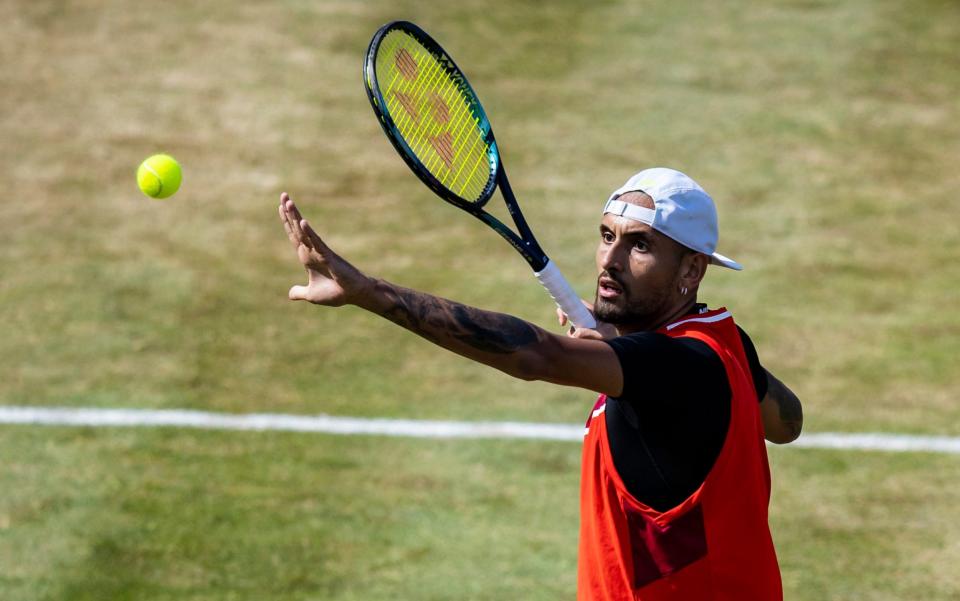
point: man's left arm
(781, 411)
(779, 406)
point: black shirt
(668, 425)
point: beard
(629, 309)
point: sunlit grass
(828, 133)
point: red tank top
(716, 544)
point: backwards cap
(682, 210)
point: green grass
(166, 514)
(828, 132)
(854, 525)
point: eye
(641, 246)
(607, 237)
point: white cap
(683, 210)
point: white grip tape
(564, 296)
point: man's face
(639, 271)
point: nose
(610, 257)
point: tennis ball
(159, 176)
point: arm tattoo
(442, 321)
(791, 411)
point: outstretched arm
(507, 343)
(781, 411)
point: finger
(316, 242)
(292, 209)
(284, 197)
(561, 316)
(298, 293)
(587, 334)
(293, 218)
(286, 227)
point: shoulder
(746, 340)
(657, 364)
(650, 343)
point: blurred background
(828, 133)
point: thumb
(561, 316)
(298, 293)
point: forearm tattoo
(442, 321)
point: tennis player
(675, 483)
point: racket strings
(434, 115)
(441, 145)
(441, 141)
(413, 96)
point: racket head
(431, 114)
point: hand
(331, 280)
(603, 331)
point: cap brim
(722, 261)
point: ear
(693, 266)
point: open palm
(331, 280)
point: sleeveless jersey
(716, 544)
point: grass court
(828, 133)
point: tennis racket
(435, 121)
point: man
(675, 483)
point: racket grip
(564, 296)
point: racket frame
(525, 243)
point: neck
(657, 322)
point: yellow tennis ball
(159, 176)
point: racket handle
(564, 296)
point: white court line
(328, 424)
